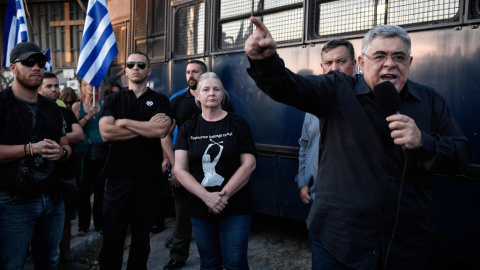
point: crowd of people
(358, 164)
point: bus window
(156, 29)
(284, 17)
(286, 26)
(189, 37)
(348, 17)
(422, 12)
(474, 10)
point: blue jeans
(322, 259)
(30, 221)
(222, 240)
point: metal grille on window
(473, 9)
(349, 17)
(120, 31)
(189, 30)
(156, 29)
(140, 30)
(232, 25)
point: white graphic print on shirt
(211, 178)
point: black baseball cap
(24, 50)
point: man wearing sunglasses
(133, 122)
(32, 142)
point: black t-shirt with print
(214, 150)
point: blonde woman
(89, 163)
(214, 158)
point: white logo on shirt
(211, 178)
(149, 103)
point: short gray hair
(334, 43)
(212, 75)
(386, 31)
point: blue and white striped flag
(99, 47)
(16, 30)
(48, 65)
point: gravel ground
(275, 243)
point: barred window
(156, 29)
(347, 17)
(232, 25)
(120, 30)
(189, 38)
(139, 28)
(474, 10)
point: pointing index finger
(260, 26)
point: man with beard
(32, 141)
(133, 122)
(183, 108)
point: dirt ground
(275, 243)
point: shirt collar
(362, 88)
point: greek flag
(15, 28)
(99, 46)
(48, 65)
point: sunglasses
(30, 62)
(140, 65)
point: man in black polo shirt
(32, 141)
(132, 121)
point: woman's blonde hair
(212, 75)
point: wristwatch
(65, 153)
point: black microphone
(387, 97)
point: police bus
(446, 52)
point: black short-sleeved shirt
(214, 150)
(139, 156)
(184, 107)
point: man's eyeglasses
(399, 58)
(30, 62)
(140, 65)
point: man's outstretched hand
(260, 44)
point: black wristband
(25, 149)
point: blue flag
(16, 30)
(48, 65)
(99, 46)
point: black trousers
(134, 201)
(90, 181)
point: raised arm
(260, 44)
